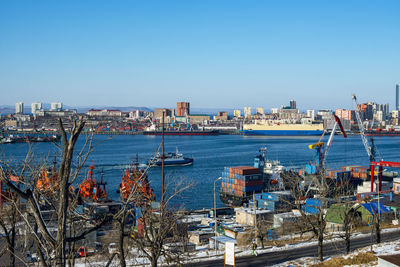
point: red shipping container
(244, 170)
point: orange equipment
(134, 181)
(92, 190)
(48, 179)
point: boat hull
(181, 133)
(283, 132)
(184, 162)
(382, 133)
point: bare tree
(47, 242)
(158, 227)
(316, 222)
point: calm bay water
(211, 154)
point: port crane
(318, 182)
(322, 152)
(369, 148)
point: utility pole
(162, 162)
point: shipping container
(276, 195)
(244, 170)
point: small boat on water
(172, 159)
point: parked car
(82, 252)
(112, 248)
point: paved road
(271, 258)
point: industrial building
(182, 109)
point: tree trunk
(121, 242)
(347, 243)
(320, 246)
(12, 245)
(378, 231)
(154, 261)
(63, 179)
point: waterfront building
(182, 109)
(56, 106)
(19, 108)
(35, 107)
(169, 112)
(55, 113)
(292, 104)
(395, 117)
(289, 114)
(178, 119)
(199, 119)
(260, 111)
(237, 113)
(325, 114)
(274, 110)
(222, 116)
(398, 96)
(247, 112)
(311, 114)
(136, 114)
(382, 107)
(104, 113)
(378, 116)
(345, 114)
(366, 111)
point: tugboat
(172, 159)
(135, 181)
(47, 181)
(91, 190)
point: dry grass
(361, 258)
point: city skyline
(212, 54)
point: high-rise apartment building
(247, 112)
(35, 107)
(292, 104)
(398, 96)
(182, 109)
(55, 106)
(345, 114)
(260, 111)
(236, 113)
(19, 108)
(311, 114)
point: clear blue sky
(227, 54)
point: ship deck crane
(370, 149)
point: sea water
(211, 154)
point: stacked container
(275, 201)
(241, 181)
